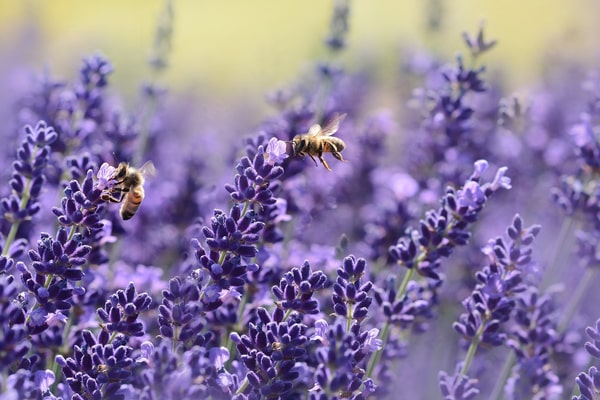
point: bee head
(298, 144)
(121, 171)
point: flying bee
(130, 187)
(320, 140)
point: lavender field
(450, 252)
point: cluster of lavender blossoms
(270, 278)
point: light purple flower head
(471, 195)
(371, 342)
(480, 167)
(500, 181)
(44, 379)
(218, 356)
(275, 152)
(105, 176)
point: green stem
(287, 314)
(11, 237)
(12, 234)
(377, 356)
(503, 377)
(175, 338)
(473, 348)
(229, 345)
(222, 257)
(243, 386)
(47, 283)
(404, 284)
(72, 232)
(349, 318)
(112, 337)
(144, 135)
(558, 250)
(575, 298)
(245, 209)
(385, 333)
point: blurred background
(243, 49)
(226, 56)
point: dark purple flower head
(122, 310)
(81, 204)
(60, 256)
(340, 355)
(534, 338)
(338, 27)
(252, 182)
(588, 384)
(351, 298)
(270, 351)
(13, 346)
(95, 71)
(458, 386)
(477, 44)
(234, 233)
(28, 174)
(180, 314)
(97, 368)
(297, 289)
(493, 299)
(444, 229)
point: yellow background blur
(243, 47)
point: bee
(102, 368)
(130, 187)
(320, 140)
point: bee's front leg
(324, 162)
(109, 197)
(320, 158)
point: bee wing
(315, 130)
(333, 125)
(147, 169)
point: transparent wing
(315, 130)
(333, 125)
(147, 169)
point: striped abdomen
(132, 202)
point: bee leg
(316, 165)
(324, 162)
(338, 155)
(113, 199)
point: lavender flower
(26, 184)
(13, 346)
(122, 310)
(458, 386)
(493, 299)
(534, 339)
(339, 26)
(97, 368)
(588, 381)
(249, 292)
(444, 229)
(270, 352)
(180, 312)
(275, 152)
(447, 131)
(346, 346)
